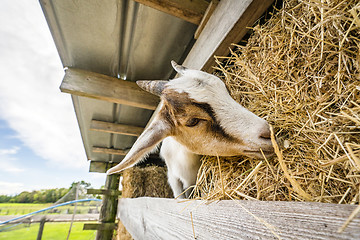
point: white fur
(243, 131)
(182, 165)
(233, 117)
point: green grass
(21, 208)
(25, 208)
(52, 231)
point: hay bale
(300, 71)
(150, 181)
(122, 233)
(146, 181)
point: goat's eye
(192, 122)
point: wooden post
(74, 213)
(109, 208)
(41, 228)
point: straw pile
(146, 181)
(300, 71)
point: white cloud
(31, 73)
(8, 162)
(10, 151)
(8, 188)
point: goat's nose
(265, 132)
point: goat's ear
(155, 87)
(178, 68)
(146, 142)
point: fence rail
(156, 218)
(53, 218)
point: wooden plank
(109, 192)
(188, 10)
(112, 151)
(94, 85)
(41, 228)
(228, 24)
(52, 218)
(99, 226)
(115, 128)
(209, 11)
(156, 218)
(100, 167)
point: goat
(196, 116)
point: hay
(146, 182)
(300, 71)
(122, 233)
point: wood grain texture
(100, 226)
(209, 11)
(94, 85)
(108, 210)
(112, 151)
(110, 192)
(188, 10)
(228, 24)
(155, 218)
(100, 167)
(115, 128)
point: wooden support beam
(209, 11)
(99, 226)
(41, 228)
(94, 85)
(228, 24)
(100, 167)
(188, 10)
(108, 210)
(115, 128)
(112, 151)
(110, 192)
(233, 219)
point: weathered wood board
(227, 24)
(94, 85)
(188, 10)
(115, 128)
(155, 218)
(112, 151)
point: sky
(40, 142)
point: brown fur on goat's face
(195, 126)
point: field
(52, 230)
(25, 208)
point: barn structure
(105, 46)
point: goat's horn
(155, 87)
(178, 68)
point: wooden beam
(108, 210)
(228, 24)
(188, 10)
(100, 167)
(233, 219)
(115, 128)
(112, 151)
(209, 11)
(94, 85)
(109, 192)
(99, 226)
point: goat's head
(197, 110)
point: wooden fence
(158, 218)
